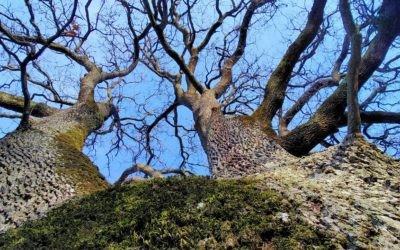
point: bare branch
(138, 168)
(353, 120)
(374, 117)
(171, 52)
(325, 120)
(308, 94)
(278, 82)
(226, 71)
(16, 103)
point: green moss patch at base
(190, 213)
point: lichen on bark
(351, 190)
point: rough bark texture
(325, 120)
(351, 190)
(235, 147)
(16, 103)
(238, 147)
(279, 80)
(43, 166)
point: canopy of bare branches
(163, 66)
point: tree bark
(350, 190)
(326, 119)
(235, 146)
(277, 84)
(353, 118)
(43, 166)
(16, 103)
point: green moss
(191, 213)
(75, 137)
(76, 166)
(17, 103)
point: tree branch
(226, 71)
(317, 86)
(138, 168)
(278, 82)
(171, 52)
(369, 117)
(353, 119)
(16, 103)
(217, 24)
(325, 121)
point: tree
(235, 145)
(241, 124)
(42, 163)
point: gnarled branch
(325, 121)
(278, 82)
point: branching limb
(143, 168)
(308, 94)
(226, 71)
(380, 89)
(170, 51)
(374, 117)
(33, 54)
(318, 85)
(326, 119)
(182, 173)
(16, 103)
(136, 40)
(218, 23)
(339, 61)
(10, 116)
(149, 171)
(278, 82)
(353, 120)
(152, 125)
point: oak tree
(69, 71)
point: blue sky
(269, 39)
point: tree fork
(278, 82)
(325, 121)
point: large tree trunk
(350, 191)
(236, 146)
(43, 166)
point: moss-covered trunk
(43, 166)
(344, 198)
(351, 190)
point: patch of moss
(75, 137)
(191, 213)
(76, 166)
